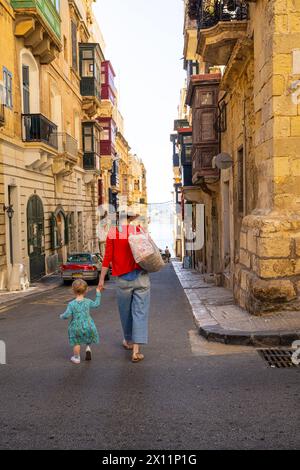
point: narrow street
(188, 394)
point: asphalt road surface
(187, 394)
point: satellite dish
(223, 161)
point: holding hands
(104, 272)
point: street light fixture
(10, 212)
(9, 209)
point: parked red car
(85, 266)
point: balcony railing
(37, 128)
(89, 86)
(91, 162)
(67, 144)
(2, 115)
(193, 9)
(213, 11)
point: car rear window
(81, 258)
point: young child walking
(82, 329)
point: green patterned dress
(82, 329)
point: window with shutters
(74, 45)
(7, 88)
(26, 89)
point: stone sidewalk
(220, 320)
(46, 284)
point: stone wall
(268, 272)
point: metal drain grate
(278, 358)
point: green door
(35, 234)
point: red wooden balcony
(108, 89)
(107, 137)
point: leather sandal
(137, 357)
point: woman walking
(133, 286)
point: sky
(144, 41)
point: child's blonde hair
(79, 287)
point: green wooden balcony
(39, 22)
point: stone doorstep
(210, 328)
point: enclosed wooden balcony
(202, 97)
(91, 146)
(187, 175)
(115, 178)
(90, 76)
(108, 137)
(221, 24)
(91, 162)
(108, 89)
(202, 158)
(39, 23)
(176, 160)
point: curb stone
(211, 330)
(248, 338)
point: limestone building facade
(243, 93)
(57, 135)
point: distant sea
(161, 225)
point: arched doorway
(36, 237)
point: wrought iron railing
(193, 9)
(67, 144)
(37, 128)
(211, 12)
